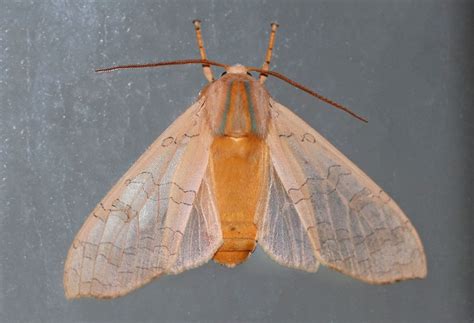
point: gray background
(67, 134)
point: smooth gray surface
(67, 134)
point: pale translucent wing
(281, 234)
(140, 229)
(203, 235)
(354, 227)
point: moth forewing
(135, 233)
(353, 225)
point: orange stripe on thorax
(238, 118)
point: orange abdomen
(238, 174)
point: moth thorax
(238, 106)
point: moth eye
(249, 74)
(224, 73)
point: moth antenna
(206, 68)
(256, 69)
(310, 92)
(268, 56)
(159, 64)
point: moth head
(238, 69)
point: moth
(236, 168)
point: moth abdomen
(238, 172)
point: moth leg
(205, 67)
(268, 57)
